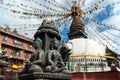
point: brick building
(17, 48)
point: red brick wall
(96, 76)
(10, 41)
(24, 45)
(1, 37)
(8, 51)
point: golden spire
(76, 13)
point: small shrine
(46, 62)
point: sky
(107, 14)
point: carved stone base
(44, 76)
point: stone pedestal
(44, 76)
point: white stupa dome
(85, 46)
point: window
(27, 55)
(5, 38)
(98, 60)
(28, 46)
(18, 42)
(86, 59)
(18, 53)
(79, 60)
(3, 48)
(13, 53)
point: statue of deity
(37, 60)
(55, 63)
